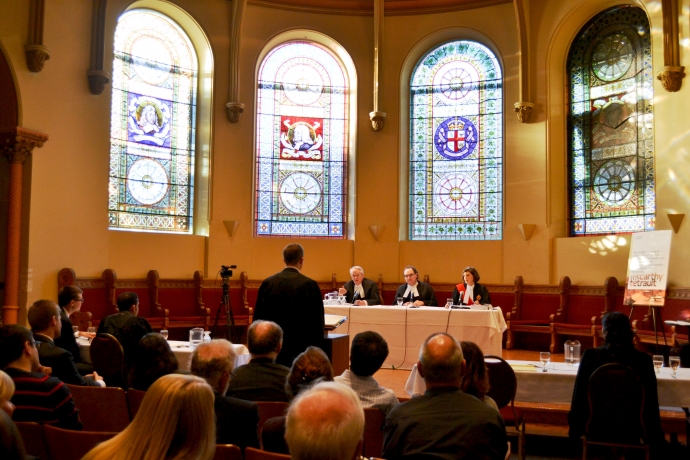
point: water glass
(91, 330)
(658, 361)
(164, 333)
(399, 301)
(75, 329)
(449, 303)
(544, 357)
(674, 362)
(196, 336)
(341, 300)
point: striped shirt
(369, 391)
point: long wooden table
(405, 329)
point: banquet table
(405, 328)
(555, 386)
(181, 349)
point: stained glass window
(456, 144)
(611, 148)
(302, 143)
(152, 125)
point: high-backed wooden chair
(101, 409)
(503, 386)
(134, 399)
(251, 453)
(227, 452)
(70, 444)
(34, 439)
(270, 409)
(373, 432)
(108, 360)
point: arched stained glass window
(611, 148)
(456, 144)
(302, 143)
(152, 125)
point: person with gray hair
(261, 379)
(360, 290)
(444, 422)
(325, 422)
(237, 420)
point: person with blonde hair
(6, 392)
(325, 422)
(175, 422)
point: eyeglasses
(79, 300)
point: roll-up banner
(647, 277)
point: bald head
(264, 339)
(441, 362)
(325, 422)
(214, 361)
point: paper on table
(524, 367)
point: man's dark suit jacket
(259, 380)
(294, 302)
(444, 423)
(127, 329)
(479, 290)
(425, 291)
(69, 343)
(237, 422)
(371, 292)
(60, 360)
(641, 364)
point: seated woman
(153, 359)
(6, 392)
(475, 380)
(307, 369)
(470, 292)
(176, 421)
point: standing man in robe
(361, 290)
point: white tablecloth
(182, 351)
(556, 384)
(405, 329)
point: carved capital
(18, 143)
(97, 81)
(36, 57)
(671, 77)
(235, 110)
(523, 110)
(377, 120)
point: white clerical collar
(412, 289)
(359, 288)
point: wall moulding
(97, 76)
(36, 53)
(671, 75)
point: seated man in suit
(37, 397)
(126, 326)
(45, 321)
(262, 379)
(237, 420)
(361, 290)
(414, 292)
(70, 300)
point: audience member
(368, 352)
(414, 292)
(618, 348)
(360, 290)
(325, 422)
(237, 420)
(6, 392)
(475, 379)
(310, 367)
(37, 397)
(444, 422)
(126, 326)
(262, 379)
(11, 444)
(153, 359)
(70, 300)
(175, 421)
(294, 302)
(44, 318)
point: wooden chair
(503, 386)
(270, 409)
(134, 399)
(227, 452)
(34, 440)
(616, 402)
(101, 409)
(251, 453)
(373, 432)
(70, 444)
(108, 360)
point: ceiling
(366, 7)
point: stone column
(16, 144)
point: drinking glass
(449, 303)
(674, 362)
(164, 333)
(658, 361)
(91, 330)
(341, 300)
(399, 301)
(75, 329)
(544, 357)
(196, 336)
